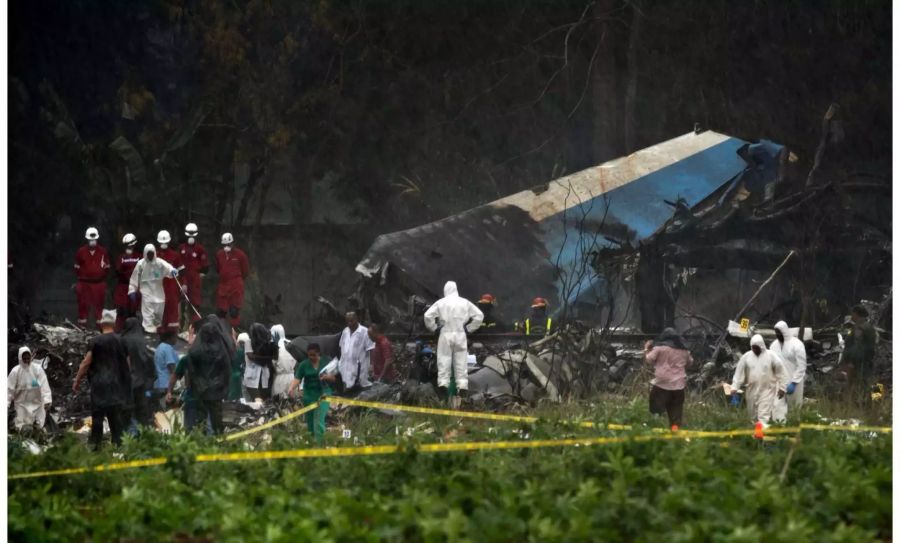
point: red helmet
(487, 299)
(538, 302)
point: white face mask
(128, 250)
(191, 241)
(92, 243)
(163, 245)
(227, 248)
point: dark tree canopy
(132, 115)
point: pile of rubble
(577, 361)
(59, 349)
(574, 362)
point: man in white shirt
(355, 345)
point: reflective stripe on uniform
(528, 326)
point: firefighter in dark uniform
(538, 324)
(486, 304)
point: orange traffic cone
(758, 430)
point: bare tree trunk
(631, 89)
(255, 175)
(832, 112)
(604, 103)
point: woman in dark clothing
(208, 369)
(263, 351)
(224, 331)
(143, 371)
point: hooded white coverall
(147, 278)
(29, 390)
(453, 312)
(793, 354)
(764, 376)
(284, 364)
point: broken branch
(750, 302)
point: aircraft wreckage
(688, 226)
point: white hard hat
(91, 233)
(163, 237)
(190, 230)
(130, 240)
(227, 238)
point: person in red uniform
(91, 267)
(124, 266)
(381, 356)
(196, 264)
(233, 267)
(172, 309)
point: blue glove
(735, 399)
(133, 297)
(174, 273)
(791, 388)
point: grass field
(822, 486)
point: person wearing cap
(539, 324)
(29, 391)
(233, 268)
(124, 267)
(196, 264)
(859, 347)
(106, 367)
(173, 292)
(487, 303)
(147, 280)
(91, 267)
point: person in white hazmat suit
(793, 353)
(147, 278)
(29, 390)
(762, 375)
(450, 314)
(284, 364)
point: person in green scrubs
(237, 370)
(315, 385)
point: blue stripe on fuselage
(640, 205)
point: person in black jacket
(208, 369)
(143, 372)
(106, 367)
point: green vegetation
(836, 486)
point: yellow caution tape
(271, 423)
(838, 428)
(448, 447)
(102, 467)
(454, 447)
(454, 413)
